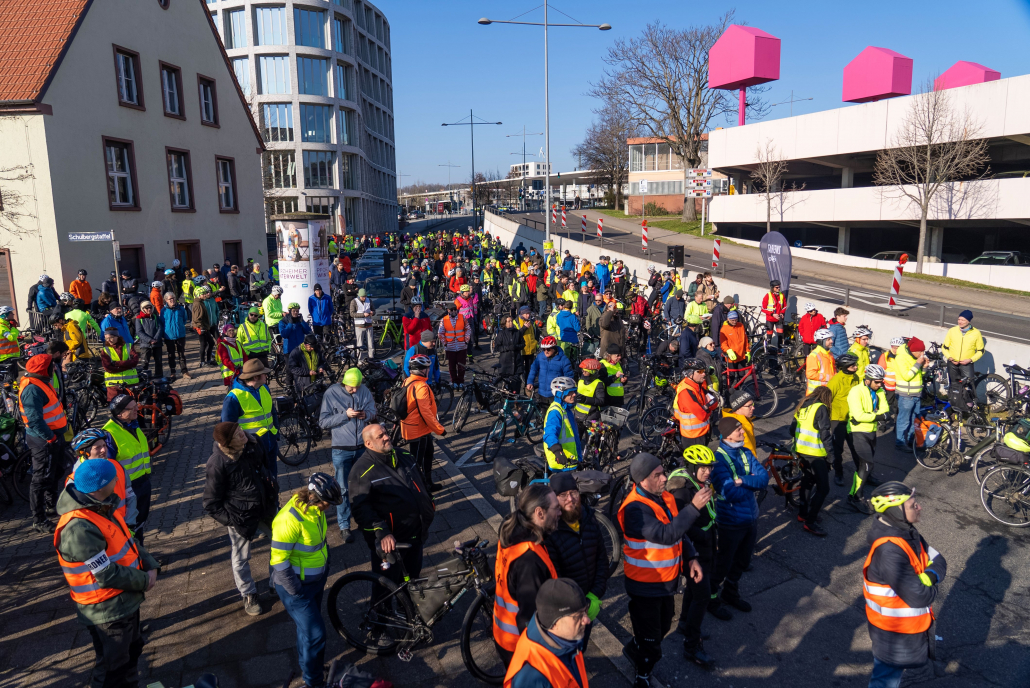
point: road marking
(470, 453)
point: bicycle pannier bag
(592, 482)
(442, 585)
(1010, 455)
(928, 432)
(961, 397)
(508, 478)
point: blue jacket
(552, 428)
(668, 289)
(119, 324)
(434, 370)
(231, 413)
(603, 275)
(568, 324)
(688, 345)
(321, 309)
(293, 332)
(568, 264)
(545, 369)
(840, 340)
(174, 322)
(737, 506)
(529, 676)
(46, 298)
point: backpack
(399, 402)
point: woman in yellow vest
(132, 452)
(813, 441)
(230, 354)
(300, 566)
(8, 335)
(590, 393)
(614, 378)
(866, 405)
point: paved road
(920, 301)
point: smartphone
(708, 483)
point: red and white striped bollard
(896, 283)
(715, 253)
(643, 235)
(600, 226)
(563, 217)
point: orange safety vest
(506, 630)
(53, 412)
(883, 608)
(691, 424)
(889, 382)
(454, 331)
(120, 550)
(119, 482)
(819, 368)
(544, 661)
(649, 562)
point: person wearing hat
(860, 345)
(132, 449)
(733, 341)
(712, 361)
(110, 285)
(963, 346)
(249, 403)
(774, 305)
(840, 386)
(42, 414)
(94, 443)
(116, 319)
(422, 418)
(409, 291)
(742, 408)
(908, 365)
(9, 348)
(468, 307)
(173, 326)
(736, 477)
(293, 328)
(613, 376)
(684, 484)
(254, 336)
(300, 568)
(693, 406)
(305, 363)
(425, 346)
(119, 361)
(568, 330)
(901, 580)
(150, 328)
(129, 285)
(229, 354)
(362, 314)
(675, 309)
(106, 570)
(653, 552)
(205, 320)
(866, 405)
(808, 325)
(415, 322)
(813, 441)
(575, 546)
(550, 651)
(320, 307)
(273, 308)
(347, 407)
(239, 493)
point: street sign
(117, 250)
(90, 236)
(643, 186)
(699, 193)
(700, 172)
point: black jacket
(390, 498)
(580, 556)
(508, 346)
(701, 537)
(890, 566)
(298, 364)
(241, 493)
(148, 331)
(688, 344)
(525, 576)
(642, 524)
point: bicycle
(388, 335)
(485, 395)
(767, 399)
(601, 444)
(945, 450)
(381, 618)
(1014, 395)
(986, 458)
(786, 469)
(1005, 494)
(298, 422)
(667, 450)
(523, 415)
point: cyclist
(415, 322)
(693, 405)
(908, 385)
(840, 385)
(273, 308)
(819, 366)
(590, 393)
(550, 651)
(562, 446)
(568, 327)
(421, 420)
(686, 484)
(9, 352)
(860, 346)
(838, 331)
(774, 305)
(886, 361)
(813, 440)
(133, 452)
(866, 404)
(742, 407)
(550, 363)
(254, 337)
(963, 346)
(733, 342)
(300, 567)
(901, 579)
(80, 287)
(613, 377)
(809, 323)
(293, 328)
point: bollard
(723, 266)
(942, 316)
(847, 297)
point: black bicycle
(298, 422)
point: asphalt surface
(825, 281)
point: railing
(655, 249)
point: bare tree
(934, 147)
(768, 177)
(661, 80)
(604, 148)
(13, 203)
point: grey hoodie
(346, 431)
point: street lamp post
(450, 195)
(471, 124)
(547, 105)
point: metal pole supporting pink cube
(743, 56)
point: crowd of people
(561, 328)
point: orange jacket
(733, 338)
(81, 290)
(155, 299)
(421, 418)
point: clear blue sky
(444, 63)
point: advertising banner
(776, 254)
(303, 259)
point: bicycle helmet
(874, 372)
(450, 273)
(169, 272)
(325, 488)
(155, 284)
(199, 280)
(561, 385)
(897, 341)
(775, 283)
(6, 311)
(176, 263)
(228, 330)
(863, 331)
(699, 455)
(83, 273)
(277, 290)
(890, 494)
(651, 268)
(466, 288)
(43, 278)
(419, 361)
(87, 438)
(822, 334)
(590, 364)
(204, 290)
(293, 305)
(404, 261)
(548, 342)
(694, 364)
(810, 307)
(416, 300)
(66, 297)
(846, 360)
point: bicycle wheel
(444, 398)
(654, 421)
(993, 390)
(612, 540)
(461, 411)
(983, 462)
(494, 440)
(478, 650)
(534, 425)
(374, 627)
(294, 440)
(618, 496)
(1005, 494)
(383, 343)
(936, 457)
(22, 474)
(768, 400)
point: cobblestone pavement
(807, 629)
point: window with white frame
(278, 125)
(171, 90)
(235, 31)
(179, 184)
(309, 28)
(128, 74)
(120, 174)
(270, 26)
(226, 184)
(275, 74)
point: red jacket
(414, 327)
(774, 304)
(639, 306)
(808, 325)
(531, 281)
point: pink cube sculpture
(964, 73)
(877, 73)
(743, 56)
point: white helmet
(43, 278)
(810, 307)
(874, 372)
(176, 263)
(863, 331)
(277, 290)
(5, 311)
(560, 385)
(66, 297)
(822, 334)
(897, 341)
(156, 285)
(416, 300)
(651, 268)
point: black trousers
(207, 346)
(958, 372)
(176, 350)
(411, 557)
(147, 353)
(817, 475)
(45, 472)
(696, 597)
(651, 618)
(733, 556)
(118, 646)
(142, 487)
(864, 449)
(319, 330)
(840, 436)
(422, 451)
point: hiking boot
(873, 481)
(44, 527)
(251, 605)
(814, 529)
(860, 505)
(738, 603)
(838, 479)
(719, 610)
(348, 536)
(642, 682)
(698, 656)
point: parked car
(819, 247)
(889, 255)
(1001, 258)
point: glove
(595, 606)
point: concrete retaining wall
(884, 327)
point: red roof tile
(32, 36)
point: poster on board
(303, 259)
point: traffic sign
(643, 186)
(90, 236)
(700, 172)
(699, 193)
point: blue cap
(967, 314)
(92, 474)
